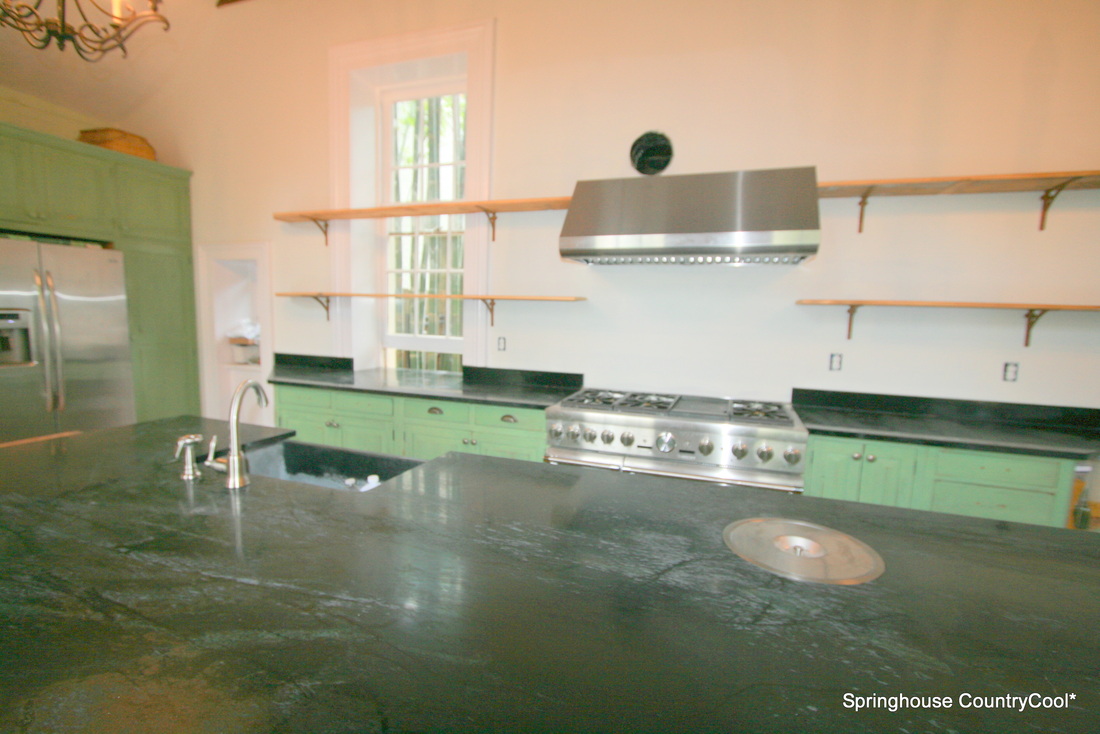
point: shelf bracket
(492, 217)
(862, 209)
(491, 304)
(322, 224)
(852, 308)
(1032, 316)
(326, 303)
(1048, 198)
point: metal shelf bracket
(322, 224)
(852, 308)
(862, 209)
(491, 304)
(1048, 198)
(326, 303)
(1032, 316)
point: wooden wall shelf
(325, 299)
(1051, 184)
(491, 209)
(1032, 311)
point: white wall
(860, 88)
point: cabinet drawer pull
(857, 456)
(473, 441)
(870, 457)
(509, 419)
(465, 442)
(435, 411)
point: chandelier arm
(90, 40)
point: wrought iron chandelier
(92, 29)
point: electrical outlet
(835, 361)
(1011, 371)
(501, 344)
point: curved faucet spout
(236, 464)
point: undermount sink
(324, 466)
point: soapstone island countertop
(476, 594)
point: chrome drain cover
(803, 551)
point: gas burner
(758, 411)
(596, 398)
(648, 402)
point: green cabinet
(880, 472)
(60, 189)
(419, 428)
(63, 188)
(349, 420)
(431, 428)
(1016, 487)
(990, 484)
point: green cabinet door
(999, 486)
(153, 202)
(22, 198)
(880, 472)
(338, 418)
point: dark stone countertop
(1063, 432)
(482, 594)
(425, 384)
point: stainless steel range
(713, 439)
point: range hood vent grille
(737, 218)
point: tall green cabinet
(63, 188)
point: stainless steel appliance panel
(79, 375)
(91, 336)
(25, 400)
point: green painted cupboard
(67, 189)
(991, 484)
(419, 428)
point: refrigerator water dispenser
(15, 337)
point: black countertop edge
(1054, 450)
(429, 384)
(1063, 432)
(1082, 420)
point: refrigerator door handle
(44, 349)
(55, 313)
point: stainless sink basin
(324, 466)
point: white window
(411, 124)
(424, 138)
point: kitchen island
(482, 594)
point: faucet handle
(212, 449)
(186, 446)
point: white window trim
(476, 42)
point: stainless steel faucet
(236, 464)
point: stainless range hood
(735, 218)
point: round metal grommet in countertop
(803, 551)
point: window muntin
(426, 255)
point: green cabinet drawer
(1006, 470)
(362, 403)
(997, 503)
(519, 419)
(303, 397)
(435, 411)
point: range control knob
(589, 434)
(627, 438)
(765, 453)
(706, 447)
(556, 431)
(740, 450)
(574, 433)
(666, 442)
(607, 436)
(792, 455)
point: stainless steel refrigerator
(64, 340)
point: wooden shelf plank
(325, 298)
(960, 184)
(463, 296)
(496, 206)
(1032, 311)
(947, 304)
